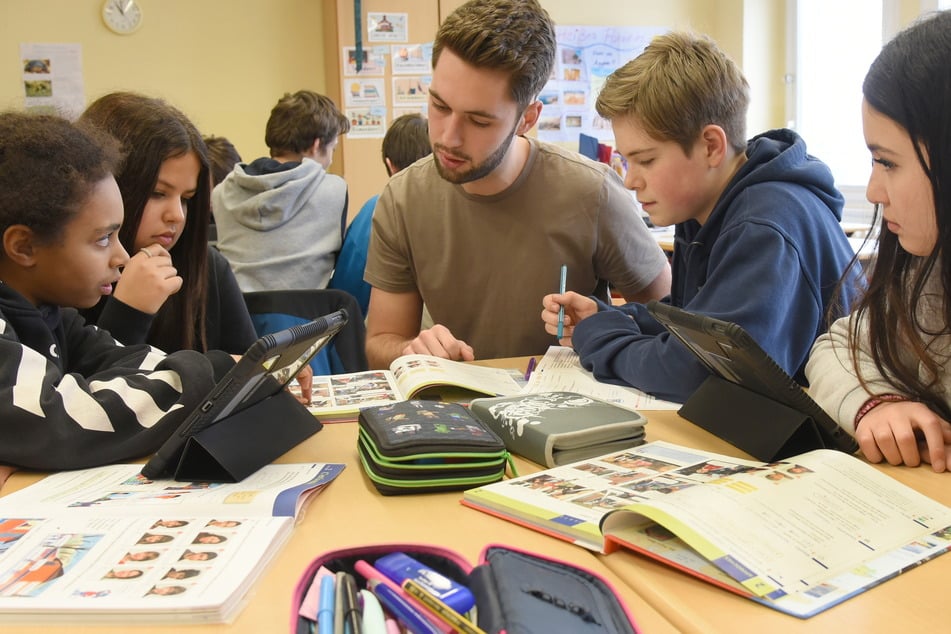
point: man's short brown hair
(513, 36)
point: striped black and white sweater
(72, 397)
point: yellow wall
(226, 62)
(223, 62)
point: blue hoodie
(768, 258)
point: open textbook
(342, 396)
(107, 545)
(560, 370)
(799, 535)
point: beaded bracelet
(874, 402)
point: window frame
(857, 208)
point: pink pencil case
(516, 592)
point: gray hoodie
(280, 225)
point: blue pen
(325, 614)
(401, 609)
(561, 309)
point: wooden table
(351, 513)
(911, 602)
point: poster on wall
(411, 90)
(419, 108)
(53, 78)
(586, 55)
(387, 27)
(367, 123)
(412, 59)
(374, 61)
(364, 91)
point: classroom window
(833, 45)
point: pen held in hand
(561, 309)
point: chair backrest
(274, 310)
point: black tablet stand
(237, 446)
(760, 426)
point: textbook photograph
(107, 545)
(798, 535)
(340, 397)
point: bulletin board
(586, 56)
(393, 79)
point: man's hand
(439, 342)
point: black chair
(275, 310)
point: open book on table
(560, 370)
(342, 396)
(799, 535)
(106, 545)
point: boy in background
(406, 141)
(757, 237)
(223, 156)
(281, 218)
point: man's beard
(476, 172)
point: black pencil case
(428, 446)
(516, 591)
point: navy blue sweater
(768, 258)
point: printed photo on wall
(367, 123)
(374, 61)
(549, 97)
(364, 92)
(387, 27)
(550, 122)
(412, 59)
(586, 55)
(53, 78)
(411, 89)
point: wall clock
(122, 16)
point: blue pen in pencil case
(516, 592)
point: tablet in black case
(248, 419)
(749, 400)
